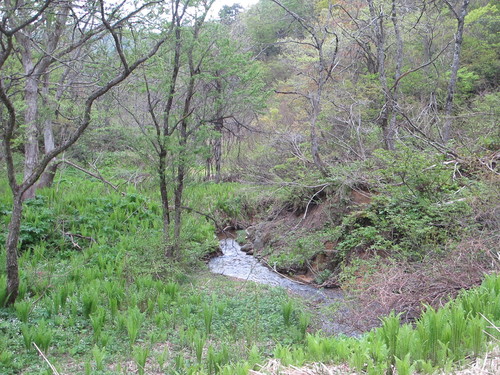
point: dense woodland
(357, 142)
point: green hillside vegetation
(352, 145)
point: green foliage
(6, 358)
(90, 300)
(133, 322)
(3, 290)
(287, 309)
(114, 297)
(22, 310)
(439, 337)
(208, 315)
(141, 355)
(97, 320)
(199, 343)
(481, 49)
(467, 83)
(37, 224)
(304, 321)
(42, 336)
(299, 250)
(419, 212)
(99, 354)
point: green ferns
(440, 337)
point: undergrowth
(97, 293)
(98, 297)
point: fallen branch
(74, 243)
(280, 274)
(54, 370)
(202, 214)
(96, 176)
(310, 201)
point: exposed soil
(383, 285)
(285, 226)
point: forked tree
(65, 27)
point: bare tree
(319, 37)
(459, 14)
(19, 17)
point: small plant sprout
(141, 355)
(97, 319)
(90, 300)
(99, 354)
(162, 357)
(172, 290)
(43, 336)
(304, 321)
(133, 322)
(199, 343)
(208, 315)
(22, 310)
(287, 310)
(28, 334)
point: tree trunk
(31, 150)
(315, 100)
(164, 197)
(11, 248)
(452, 85)
(47, 178)
(218, 150)
(384, 119)
(179, 189)
(181, 169)
(48, 175)
(219, 125)
(392, 129)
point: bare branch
(29, 21)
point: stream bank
(326, 304)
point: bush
(420, 209)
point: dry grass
(489, 364)
(405, 287)
(274, 367)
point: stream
(236, 263)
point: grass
(105, 295)
(97, 295)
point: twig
(100, 178)
(46, 360)
(202, 214)
(280, 274)
(74, 243)
(310, 200)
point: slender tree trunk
(181, 168)
(219, 125)
(392, 129)
(31, 149)
(164, 196)
(179, 190)
(452, 84)
(218, 150)
(384, 118)
(48, 175)
(208, 172)
(11, 248)
(315, 100)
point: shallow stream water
(236, 263)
